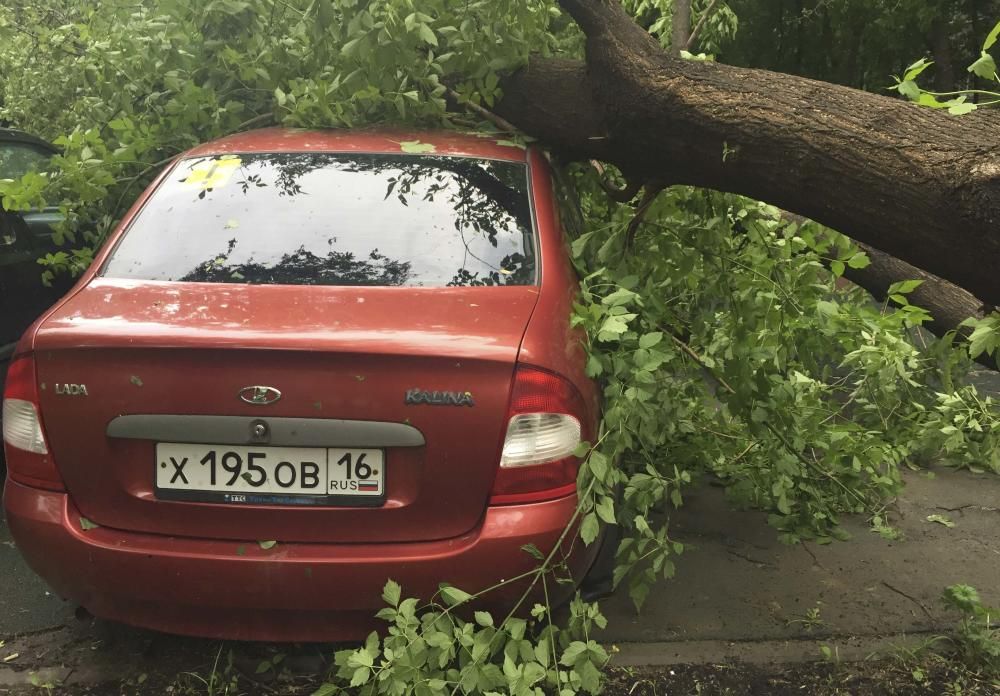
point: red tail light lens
(546, 420)
(27, 453)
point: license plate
(270, 475)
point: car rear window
(334, 219)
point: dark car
(24, 237)
(355, 348)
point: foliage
(723, 345)
(977, 640)
(432, 650)
(961, 101)
(727, 350)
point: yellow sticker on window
(213, 173)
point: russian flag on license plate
(368, 485)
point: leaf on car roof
(415, 147)
(511, 143)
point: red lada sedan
(353, 345)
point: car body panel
(290, 592)
(191, 348)
(371, 141)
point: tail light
(546, 421)
(27, 453)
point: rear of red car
(312, 339)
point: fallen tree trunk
(916, 183)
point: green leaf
(415, 147)
(985, 336)
(941, 519)
(267, 544)
(859, 260)
(360, 676)
(427, 34)
(484, 618)
(606, 510)
(391, 593)
(598, 464)
(984, 66)
(590, 677)
(826, 308)
(914, 70)
(651, 339)
(86, 525)
(909, 89)
(453, 596)
(992, 37)
(837, 267)
(962, 108)
(619, 297)
(573, 652)
(590, 528)
(904, 287)
(512, 143)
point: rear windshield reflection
(334, 219)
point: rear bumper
(299, 592)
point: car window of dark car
(17, 159)
(8, 237)
(334, 219)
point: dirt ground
(872, 678)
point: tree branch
(493, 118)
(621, 195)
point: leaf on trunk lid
(86, 525)
(267, 544)
(415, 147)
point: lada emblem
(260, 396)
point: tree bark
(916, 183)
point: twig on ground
(911, 598)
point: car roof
(19, 136)
(369, 141)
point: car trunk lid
(124, 347)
